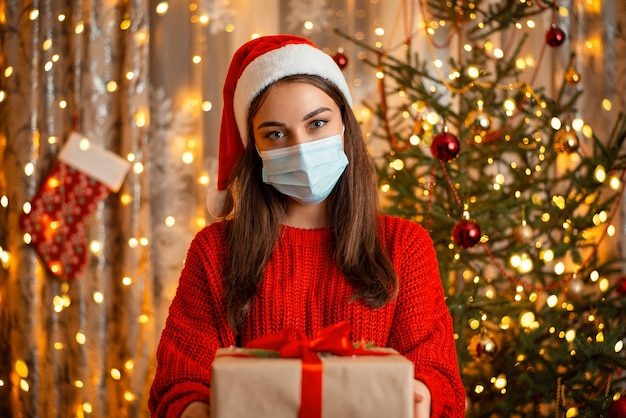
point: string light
(188, 157)
(552, 301)
(116, 374)
(5, 259)
(111, 86)
(98, 297)
(162, 8)
(80, 337)
(24, 386)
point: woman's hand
(196, 409)
(421, 396)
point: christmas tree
(519, 196)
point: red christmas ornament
(445, 146)
(617, 409)
(466, 233)
(621, 286)
(341, 60)
(555, 36)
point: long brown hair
(259, 209)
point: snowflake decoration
(315, 11)
(219, 12)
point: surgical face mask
(307, 172)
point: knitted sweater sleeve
(193, 331)
(422, 326)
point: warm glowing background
(143, 79)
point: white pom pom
(216, 202)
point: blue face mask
(307, 172)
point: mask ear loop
(343, 141)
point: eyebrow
(314, 113)
(305, 118)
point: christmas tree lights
(520, 197)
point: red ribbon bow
(292, 343)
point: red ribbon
(292, 343)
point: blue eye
(275, 135)
(319, 123)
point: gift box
(246, 384)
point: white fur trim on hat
(291, 59)
(216, 202)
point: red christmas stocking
(82, 177)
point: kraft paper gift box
(362, 386)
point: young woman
(301, 243)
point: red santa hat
(254, 66)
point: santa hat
(254, 66)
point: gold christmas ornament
(482, 347)
(523, 233)
(575, 288)
(566, 141)
(572, 77)
(478, 122)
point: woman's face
(293, 113)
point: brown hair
(352, 211)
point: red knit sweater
(303, 288)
